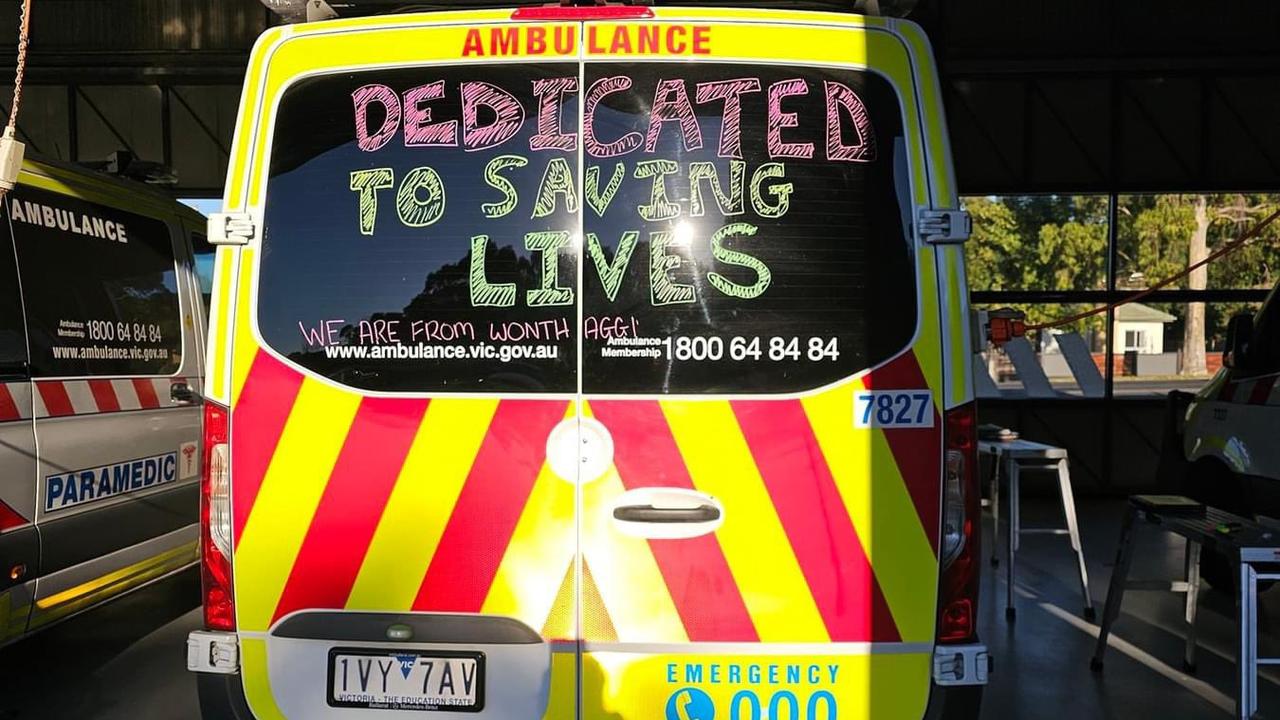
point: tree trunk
(1193, 330)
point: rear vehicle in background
(600, 362)
(1230, 435)
(101, 338)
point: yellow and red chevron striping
(696, 572)
(773, 459)
(485, 515)
(822, 535)
(257, 421)
(920, 470)
(353, 500)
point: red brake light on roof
(583, 12)
(958, 587)
(215, 521)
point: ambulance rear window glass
(100, 287)
(746, 228)
(420, 229)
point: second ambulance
(590, 362)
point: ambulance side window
(1266, 338)
(204, 255)
(13, 336)
(100, 287)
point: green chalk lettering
(658, 207)
(611, 273)
(781, 191)
(741, 259)
(367, 183)
(730, 204)
(549, 244)
(483, 292)
(510, 197)
(662, 290)
(597, 200)
(415, 210)
(557, 180)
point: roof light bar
(294, 11)
(583, 12)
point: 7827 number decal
(893, 409)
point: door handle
(182, 393)
(651, 514)
(664, 513)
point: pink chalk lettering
(384, 96)
(598, 90)
(441, 330)
(671, 102)
(311, 337)
(509, 115)
(332, 328)
(516, 331)
(840, 95)
(730, 91)
(603, 327)
(549, 136)
(419, 131)
(779, 119)
(379, 332)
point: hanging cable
(24, 38)
(11, 150)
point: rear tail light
(960, 552)
(9, 518)
(215, 521)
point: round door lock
(580, 449)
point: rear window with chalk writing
(713, 228)
(420, 229)
(746, 228)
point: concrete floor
(125, 660)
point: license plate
(382, 680)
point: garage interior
(1068, 120)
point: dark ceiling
(1042, 95)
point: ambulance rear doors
(597, 362)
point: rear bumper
(222, 698)
(955, 702)
(960, 674)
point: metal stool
(1016, 456)
(1254, 547)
